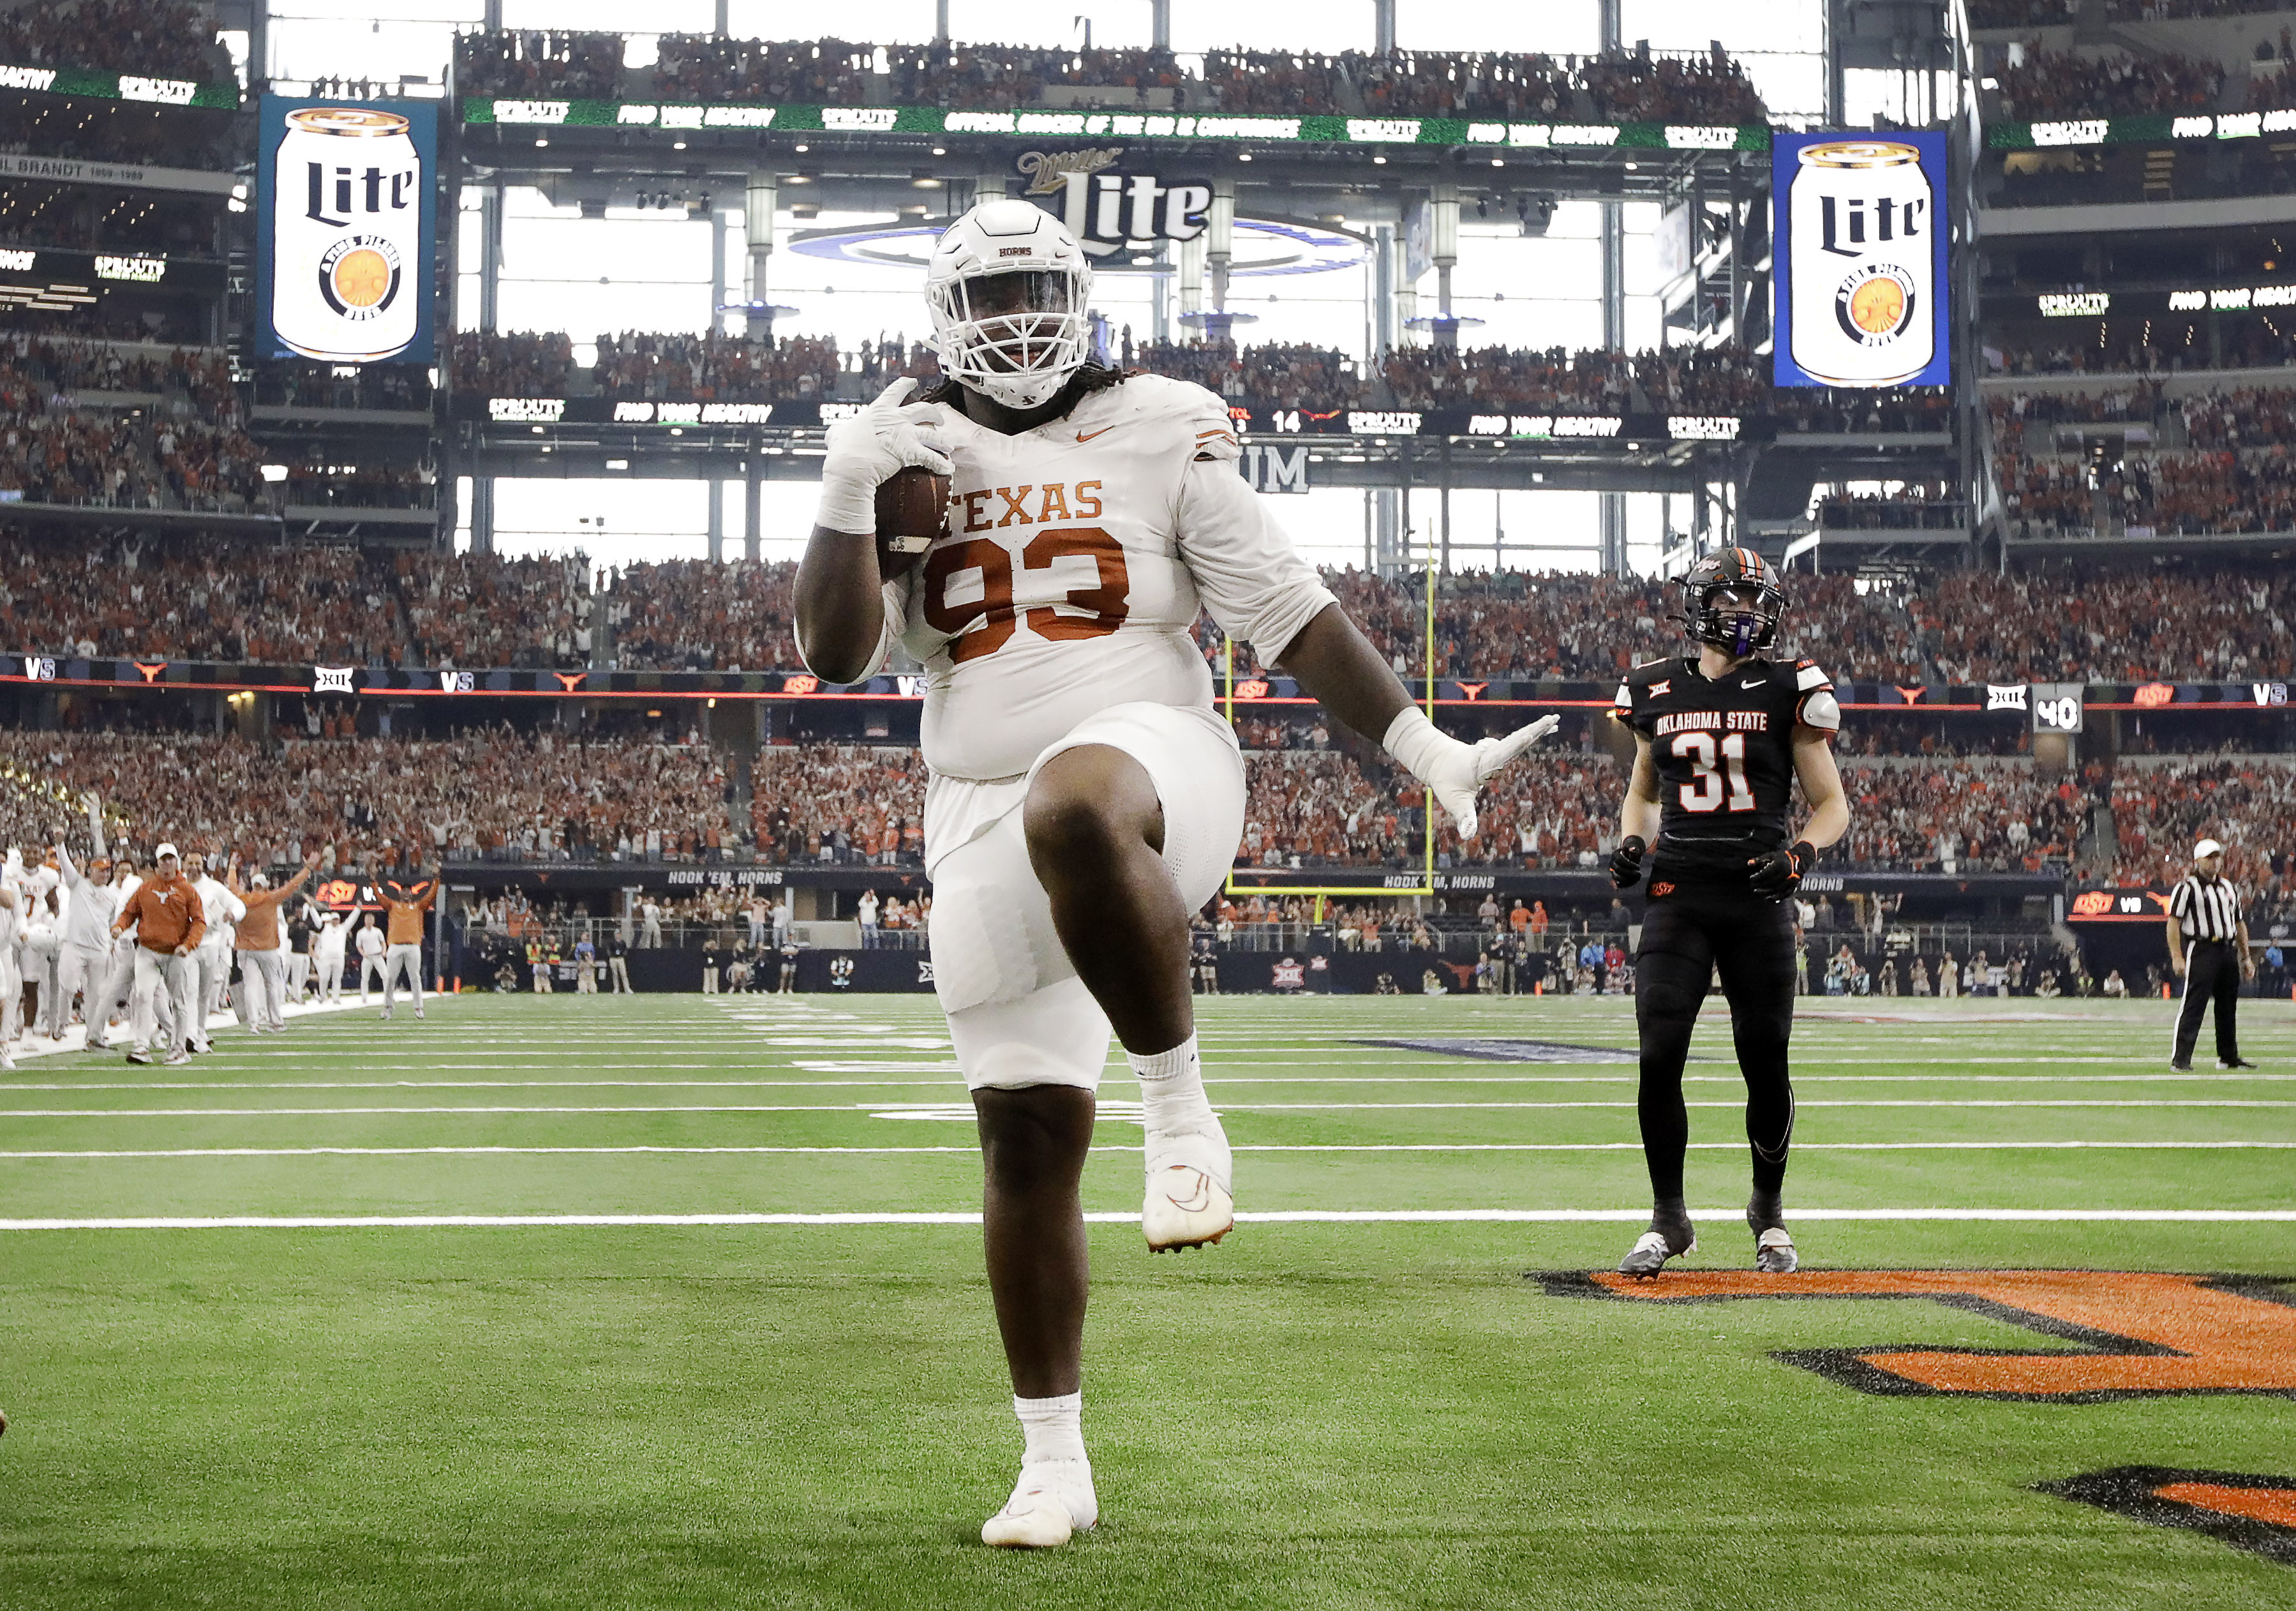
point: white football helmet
(1008, 286)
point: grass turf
(1315, 1414)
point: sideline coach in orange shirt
(403, 937)
(169, 922)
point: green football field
(676, 1300)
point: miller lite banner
(347, 200)
(1859, 287)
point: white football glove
(1452, 771)
(865, 451)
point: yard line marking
(1329, 1216)
(932, 1109)
(1376, 1147)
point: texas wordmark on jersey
(1077, 558)
(1724, 752)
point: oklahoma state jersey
(1078, 557)
(1724, 753)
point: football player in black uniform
(1719, 738)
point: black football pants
(1687, 933)
(2211, 975)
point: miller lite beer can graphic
(1863, 257)
(348, 281)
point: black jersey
(1724, 753)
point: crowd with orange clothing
(490, 794)
(2228, 624)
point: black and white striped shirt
(2209, 908)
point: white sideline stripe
(1395, 1147)
(1119, 1075)
(1326, 1216)
(1231, 1107)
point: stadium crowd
(641, 366)
(838, 803)
(492, 364)
(476, 610)
(218, 599)
(2059, 13)
(693, 615)
(494, 793)
(491, 794)
(1520, 625)
(2109, 626)
(2161, 807)
(176, 38)
(647, 365)
(2060, 84)
(538, 61)
(230, 600)
(1618, 87)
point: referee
(2205, 907)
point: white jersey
(330, 937)
(369, 941)
(1078, 559)
(221, 908)
(94, 909)
(39, 918)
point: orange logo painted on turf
(2256, 1514)
(2127, 1333)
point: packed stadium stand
(197, 515)
(964, 75)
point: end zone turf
(1371, 1409)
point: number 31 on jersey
(1709, 788)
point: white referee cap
(165, 850)
(2206, 849)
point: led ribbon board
(1131, 125)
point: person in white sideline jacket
(370, 950)
(330, 944)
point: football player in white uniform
(1084, 798)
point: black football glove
(1778, 873)
(1626, 861)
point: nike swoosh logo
(1086, 436)
(1755, 684)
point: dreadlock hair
(1092, 376)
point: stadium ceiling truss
(1295, 192)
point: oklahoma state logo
(2125, 1334)
(2256, 1514)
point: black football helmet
(1740, 632)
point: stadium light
(274, 473)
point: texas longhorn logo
(2126, 1334)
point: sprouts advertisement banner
(1858, 235)
(347, 196)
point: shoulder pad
(1807, 675)
(1818, 709)
(1199, 422)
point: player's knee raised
(1066, 817)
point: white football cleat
(1774, 1253)
(1052, 1500)
(1190, 1201)
(1651, 1251)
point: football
(912, 510)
